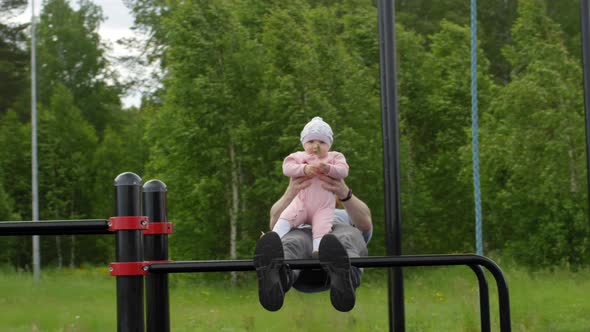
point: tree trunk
(60, 258)
(574, 187)
(233, 211)
(73, 252)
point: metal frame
(391, 165)
(475, 262)
(585, 36)
(150, 253)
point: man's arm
(357, 210)
(295, 185)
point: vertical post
(34, 167)
(484, 298)
(391, 171)
(585, 27)
(156, 249)
(129, 248)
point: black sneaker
(334, 259)
(268, 260)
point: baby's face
(317, 147)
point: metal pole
(156, 249)
(129, 249)
(35, 190)
(54, 227)
(391, 171)
(484, 298)
(585, 27)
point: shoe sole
(268, 258)
(334, 259)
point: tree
(211, 86)
(9, 245)
(15, 162)
(71, 54)
(66, 145)
(13, 56)
(533, 148)
(437, 123)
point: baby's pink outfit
(313, 205)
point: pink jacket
(313, 205)
(295, 163)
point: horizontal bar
(296, 264)
(370, 261)
(55, 227)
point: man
(350, 234)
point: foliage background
(240, 78)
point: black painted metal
(54, 227)
(585, 27)
(484, 298)
(391, 168)
(155, 249)
(129, 248)
(367, 262)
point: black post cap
(128, 179)
(154, 186)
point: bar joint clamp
(128, 223)
(158, 228)
(119, 269)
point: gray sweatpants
(297, 244)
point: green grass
(437, 299)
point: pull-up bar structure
(142, 254)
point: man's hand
(324, 168)
(298, 184)
(338, 187)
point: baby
(313, 205)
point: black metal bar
(367, 262)
(391, 169)
(156, 249)
(129, 249)
(484, 298)
(585, 27)
(54, 227)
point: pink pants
(313, 205)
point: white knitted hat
(317, 129)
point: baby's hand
(324, 168)
(310, 170)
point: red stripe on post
(159, 228)
(132, 268)
(128, 223)
(128, 268)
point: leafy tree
(121, 149)
(15, 162)
(66, 145)
(13, 56)
(533, 148)
(8, 245)
(11, 7)
(438, 127)
(211, 87)
(494, 20)
(71, 54)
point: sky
(117, 25)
